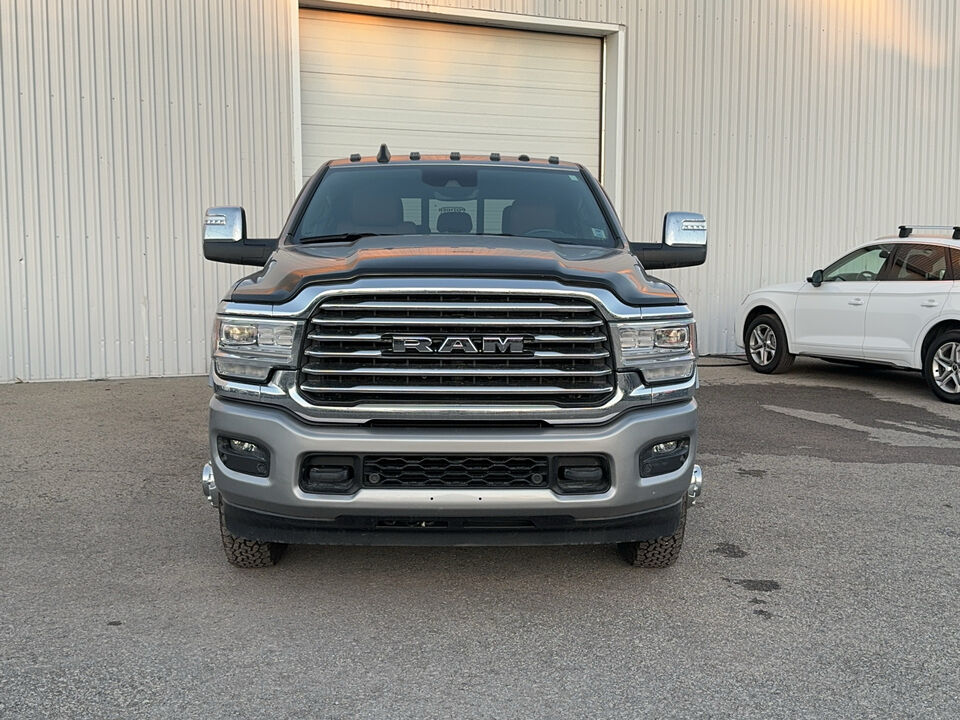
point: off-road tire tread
(660, 553)
(243, 553)
(781, 364)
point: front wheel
(766, 344)
(659, 553)
(243, 553)
(941, 366)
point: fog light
(244, 456)
(664, 457)
(244, 447)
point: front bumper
(288, 439)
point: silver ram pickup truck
(452, 350)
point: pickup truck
(452, 350)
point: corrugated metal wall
(121, 121)
(799, 127)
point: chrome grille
(349, 355)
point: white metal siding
(121, 121)
(437, 87)
(798, 127)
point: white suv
(895, 302)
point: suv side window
(955, 254)
(916, 262)
(862, 265)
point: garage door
(438, 87)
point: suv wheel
(243, 553)
(766, 343)
(941, 366)
(660, 553)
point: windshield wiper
(341, 236)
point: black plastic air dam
(461, 531)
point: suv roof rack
(907, 230)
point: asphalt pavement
(820, 577)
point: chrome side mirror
(224, 224)
(225, 238)
(685, 229)
(684, 243)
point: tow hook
(696, 485)
(209, 486)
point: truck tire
(765, 341)
(243, 553)
(659, 553)
(941, 366)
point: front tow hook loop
(696, 485)
(209, 486)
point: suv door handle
(929, 303)
(856, 301)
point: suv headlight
(660, 351)
(251, 348)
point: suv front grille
(455, 349)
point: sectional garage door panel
(438, 87)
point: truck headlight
(251, 348)
(661, 352)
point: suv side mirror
(816, 279)
(225, 238)
(684, 243)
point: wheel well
(756, 312)
(936, 331)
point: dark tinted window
(919, 262)
(955, 253)
(456, 199)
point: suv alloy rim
(946, 367)
(763, 344)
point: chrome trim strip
(412, 305)
(478, 322)
(373, 337)
(536, 355)
(303, 304)
(630, 394)
(460, 390)
(455, 372)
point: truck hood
(293, 267)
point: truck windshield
(449, 199)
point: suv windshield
(435, 199)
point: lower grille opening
(457, 471)
(563, 474)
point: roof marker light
(414, 155)
(553, 160)
(495, 157)
(454, 155)
(355, 157)
(524, 158)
